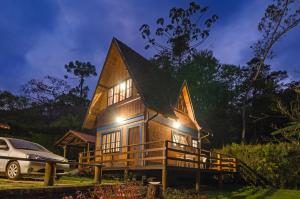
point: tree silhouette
(81, 71)
(178, 37)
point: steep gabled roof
(158, 90)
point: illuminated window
(111, 142)
(122, 90)
(195, 143)
(116, 93)
(110, 96)
(128, 88)
(119, 92)
(179, 138)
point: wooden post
(126, 174)
(219, 161)
(80, 160)
(164, 169)
(220, 180)
(98, 174)
(234, 165)
(65, 151)
(50, 172)
(198, 170)
(152, 191)
(88, 153)
(198, 180)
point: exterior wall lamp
(120, 119)
(176, 124)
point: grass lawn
(35, 183)
(253, 193)
(234, 193)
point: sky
(38, 37)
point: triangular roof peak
(184, 91)
(158, 90)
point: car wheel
(13, 170)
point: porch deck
(158, 155)
(165, 156)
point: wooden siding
(126, 109)
(114, 72)
(185, 120)
(159, 132)
(124, 142)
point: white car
(17, 148)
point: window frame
(106, 147)
(115, 94)
(180, 135)
(110, 90)
(195, 141)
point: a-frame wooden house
(143, 118)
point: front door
(133, 145)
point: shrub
(129, 190)
(278, 163)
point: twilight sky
(37, 37)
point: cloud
(231, 41)
(83, 32)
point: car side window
(3, 145)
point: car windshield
(23, 144)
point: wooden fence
(154, 155)
(50, 168)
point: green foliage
(231, 192)
(80, 70)
(210, 85)
(278, 163)
(251, 193)
(290, 109)
(290, 132)
(181, 34)
(280, 17)
(46, 109)
(231, 101)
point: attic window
(120, 92)
(181, 104)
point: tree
(258, 98)
(81, 71)
(177, 39)
(289, 106)
(280, 17)
(10, 102)
(212, 89)
(45, 90)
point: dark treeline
(249, 103)
(47, 108)
(236, 103)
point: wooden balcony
(159, 155)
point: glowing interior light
(176, 124)
(120, 119)
(122, 86)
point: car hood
(45, 154)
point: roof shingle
(158, 89)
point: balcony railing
(158, 154)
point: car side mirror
(3, 147)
